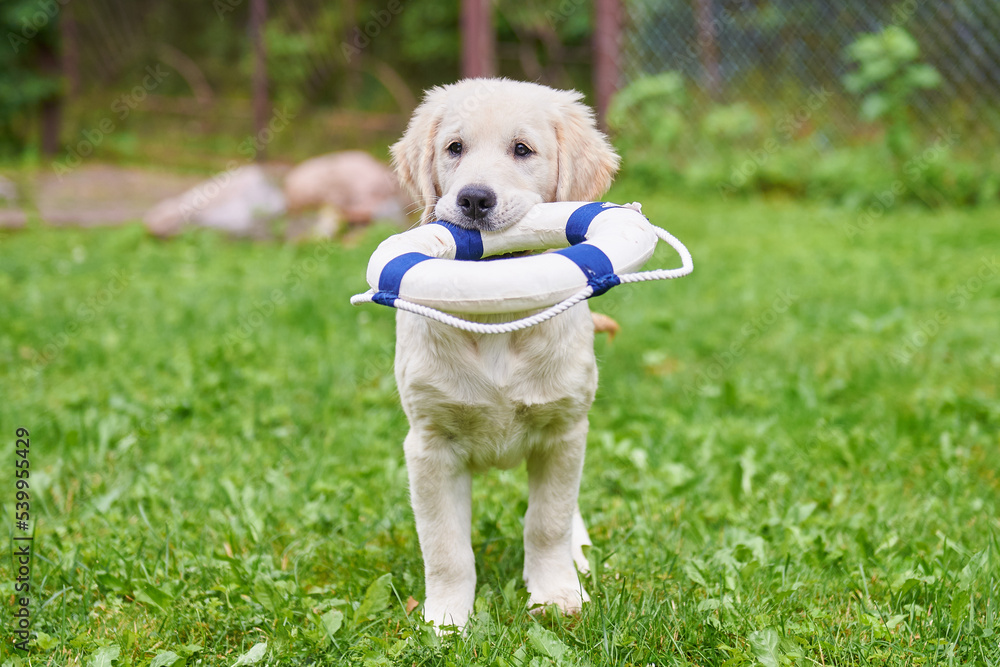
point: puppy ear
(413, 155)
(587, 162)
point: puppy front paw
(447, 616)
(569, 598)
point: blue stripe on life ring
(385, 298)
(468, 242)
(579, 222)
(392, 275)
(595, 265)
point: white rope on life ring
(426, 270)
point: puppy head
(481, 152)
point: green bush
(657, 104)
(726, 124)
(29, 35)
(887, 77)
(736, 149)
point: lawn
(793, 455)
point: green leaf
(693, 571)
(864, 48)
(765, 645)
(899, 44)
(854, 82)
(45, 642)
(748, 469)
(188, 650)
(908, 580)
(675, 475)
(970, 574)
(878, 70)
(252, 656)
(150, 594)
(266, 594)
(510, 591)
(112, 583)
(376, 598)
(923, 76)
(429, 638)
(332, 620)
(546, 642)
(710, 604)
(874, 106)
(960, 606)
(165, 659)
(895, 620)
(104, 656)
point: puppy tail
(604, 324)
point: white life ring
(426, 269)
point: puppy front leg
(553, 486)
(441, 496)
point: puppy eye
(455, 148)
(521, 150)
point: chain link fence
(775, 54)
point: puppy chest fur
(502, 397)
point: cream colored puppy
(479, 154)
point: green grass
(793, 455)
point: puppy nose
(476, 201)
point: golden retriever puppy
(479, 154)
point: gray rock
(11, 214)
(240, 202)
(8, 191)
(325, 192)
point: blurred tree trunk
(478, 39)
(69, 35)
(50, 66)
(353, 82)
(708, 48)
(607, 53)
(258, 17)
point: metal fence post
(478, 39)
(607, 53)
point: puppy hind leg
(554, 483)
(441, 496)
(580, 539)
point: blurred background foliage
(27, 74)
(856, 101)
(842, 101)
(350, 71)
